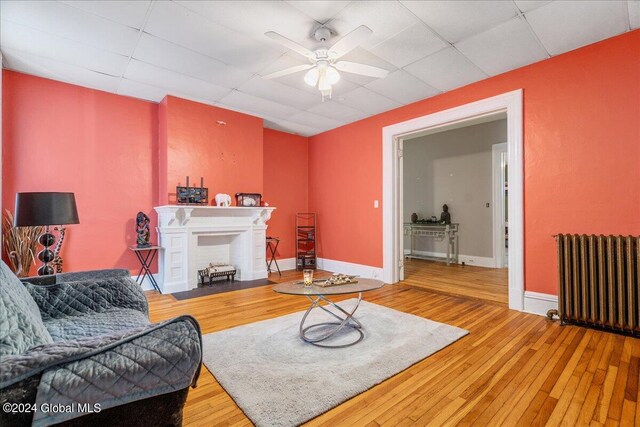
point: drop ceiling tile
(363, 56)
(634, 13)
(254, 18)
(172, 81)
(384, 18)
(321, 11)
(409, 45)
(366, 100)
(164, 54)
(129, 13)
(286, 126)
(69, 22)
(315, 120)
(29, 40)
(402, 87)
(278, 92)
(179, 25)
(257, 106)
(502, 48)
(456, 20)
(335, 110)
(527, 5)
(566, 25)
(140, 90)
(152, 93)
(55, 70)
(446, 70)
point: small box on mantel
(248, 200)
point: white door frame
(511, 103)
(498, 222)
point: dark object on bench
(208, 274)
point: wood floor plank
(512, 369)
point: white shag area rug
(279, 380)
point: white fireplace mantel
(191, 235)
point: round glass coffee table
(317, 295)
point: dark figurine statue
(414, 217)
(142, 230)
(445, 216)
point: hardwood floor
(488, 284)
(513, 368)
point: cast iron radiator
(599, 281)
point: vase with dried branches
(20, 244)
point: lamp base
(46, 255)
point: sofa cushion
(21, 326)
(95, 324)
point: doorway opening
(509, 104)
(452, 208)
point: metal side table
(146, 256)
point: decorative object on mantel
(445, 216)
(192, 195)
(19, 244)
(217, 270)
(223, 200)
(248, 200)
(45, 208)
(142, 230)
(414, 217)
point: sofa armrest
(110, 370)
(76, 276)
(76, 298)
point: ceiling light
(311, 78)
(333, 76)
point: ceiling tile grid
(216, 52)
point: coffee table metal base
(345, 320)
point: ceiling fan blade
(365, 70)
(288, 71)
(290, 44)
(350, 42)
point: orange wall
(581, 157)
(285, 185)
(229, 157)
(61, 137)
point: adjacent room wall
(228, 156)
(285, 185)
(61, 137)
(581, 156)
(453, 167)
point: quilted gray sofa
(75, 342)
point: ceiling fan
(323, 69)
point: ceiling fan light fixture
(311, 77)
(333, 76)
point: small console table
(146, 256)
(438, 232)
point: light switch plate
(375, 204)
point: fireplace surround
(191, 237)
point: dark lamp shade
(34, 209)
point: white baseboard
(478, 261)
(146, 283)
(284, 264)
(539, 303)
(361, 270)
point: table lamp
(45, 209)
